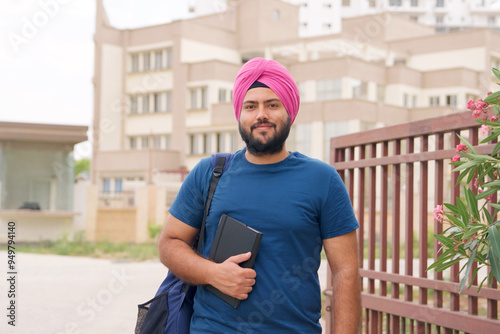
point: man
(298, 203)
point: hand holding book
(232, 244)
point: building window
(434, 101)
(414, 3)
(169, 58)
(451, 100)
(144, 142)
(146, 61)
(133, 104)
(395, 3)
(414, 101)
(359, 89)
(135, 62)
(145, 104)
(329, 5)
(372, 3)
(222, 95)
(158, 60)
(333, 129)
(194, 99)
(234, 142)
(345, 3)
(381, 93)
(439, 19)
(157, 142)
(118, 185)
(167, 141)
(491, 20)
(414, 18)
(168, 95)
(406, 101)
(194, 144)
(204, 98)
(207, 140)
(276, 15)
(439, 3)
(157, 102)
(133, 143)
(221, 142)
(329, 89)
(106, 185)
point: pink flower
(494, 118)
(471, 105)
(481, 105)
(489, 93)
(455, 158)
(461, 148)
(439, 213)
(476, 183)
(484, 129)
(477, 113)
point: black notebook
(233, 238)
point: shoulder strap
(219, 168)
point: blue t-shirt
(295, 203)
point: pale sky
(47, 54)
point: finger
(239, 258)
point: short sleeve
(189, 202)
(337, 215)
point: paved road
(74, 295)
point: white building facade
(321, 17)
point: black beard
(272, 146)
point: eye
(249, 107)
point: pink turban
(272, 74)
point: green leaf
(494, 239)
(466, 165)
(456, 221)
(471, 200)
(495, 264)
(495, 205)
(494, 134)
(471, 232)
(446, 265)
(467, 271)
(472, 174)
(486, 193)
(495, 183)
(451, 207)
(495, 150)
(496, 72)
(492, 98)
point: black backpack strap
(216, 174)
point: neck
(267, 159)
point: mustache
(253, 126)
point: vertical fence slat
(372, 179)
(438, 226)
(396, 223)
(422, 233)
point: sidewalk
(70, 295)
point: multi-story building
(325, 16)
(163, 93)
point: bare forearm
(182, 260)
(346, 302)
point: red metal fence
(395, 177)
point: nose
(262, 114)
